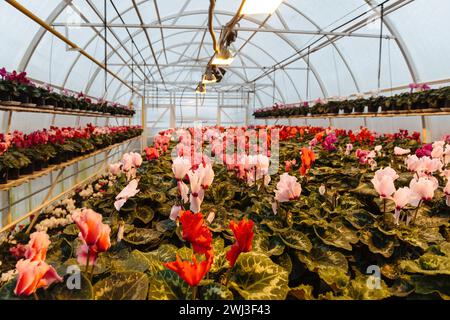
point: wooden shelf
(52, 111)
(46, 171)
(364, 115)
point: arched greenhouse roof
(342, 37)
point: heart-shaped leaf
(256, 277)
(128, 285)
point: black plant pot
(359, 109)
(385, 108)
(55, 160)
(13, 173)
(347, 110)
(333, 110)
(3, 176)
(38, 165)
(4, 96)
(372, 109)
(27, 170)
(23, 97)
(400, 107)
(64, 156)
(51, 102)
(44, 164)
(40, 101)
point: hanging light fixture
(201, 88)
(223, 58)
(260, 6)
(209, 76)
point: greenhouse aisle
(235, 156)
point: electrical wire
(285, 62)
(132, 40)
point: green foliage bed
(318, 247)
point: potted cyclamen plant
(14, 87)
(441, 98)
(346, 106)
(303, 110)
(373, 104)
(5, 144)
(14, 161)
(22, 145)
(359, 105)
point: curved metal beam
(170, 48)
(255, 21)
(187, 43)
(316, 25)
(39, 35)
(400, 43)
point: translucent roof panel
(166, 45)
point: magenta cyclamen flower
(3, 73)
(329, 142)
(425, 151)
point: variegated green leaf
(256, 277)
(128, 285)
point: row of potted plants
(419, 99)
(335, 215)
(22, 154)
(17, 90)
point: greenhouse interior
(225, 150)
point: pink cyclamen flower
(37, 246)
(288, 188)
(430, 166)
(82, 255)
(128, 192)
(289, 164)
(34, 275)
(115, 168)
(127, 162)
(207, 175)
(401, 152)
(183, 189)
(174, 212)
(383, 182)
(180, 167)
(384, 186)
(197, 192)
(388, 171)
(447, 193)
(348, 148)
(136, 159)
(412, 163)
(422, 190)
(438, 151)
(401, 198)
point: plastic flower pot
(333, 109)
(55, 160)
(359, 109)
(64, 156)
(23, 98)
(13, 173)
(3, 176)
(38, 165)
(4, 96)
(44, 164)
(347, 109)
(38, 101)
(27, 170)
(372, 108)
